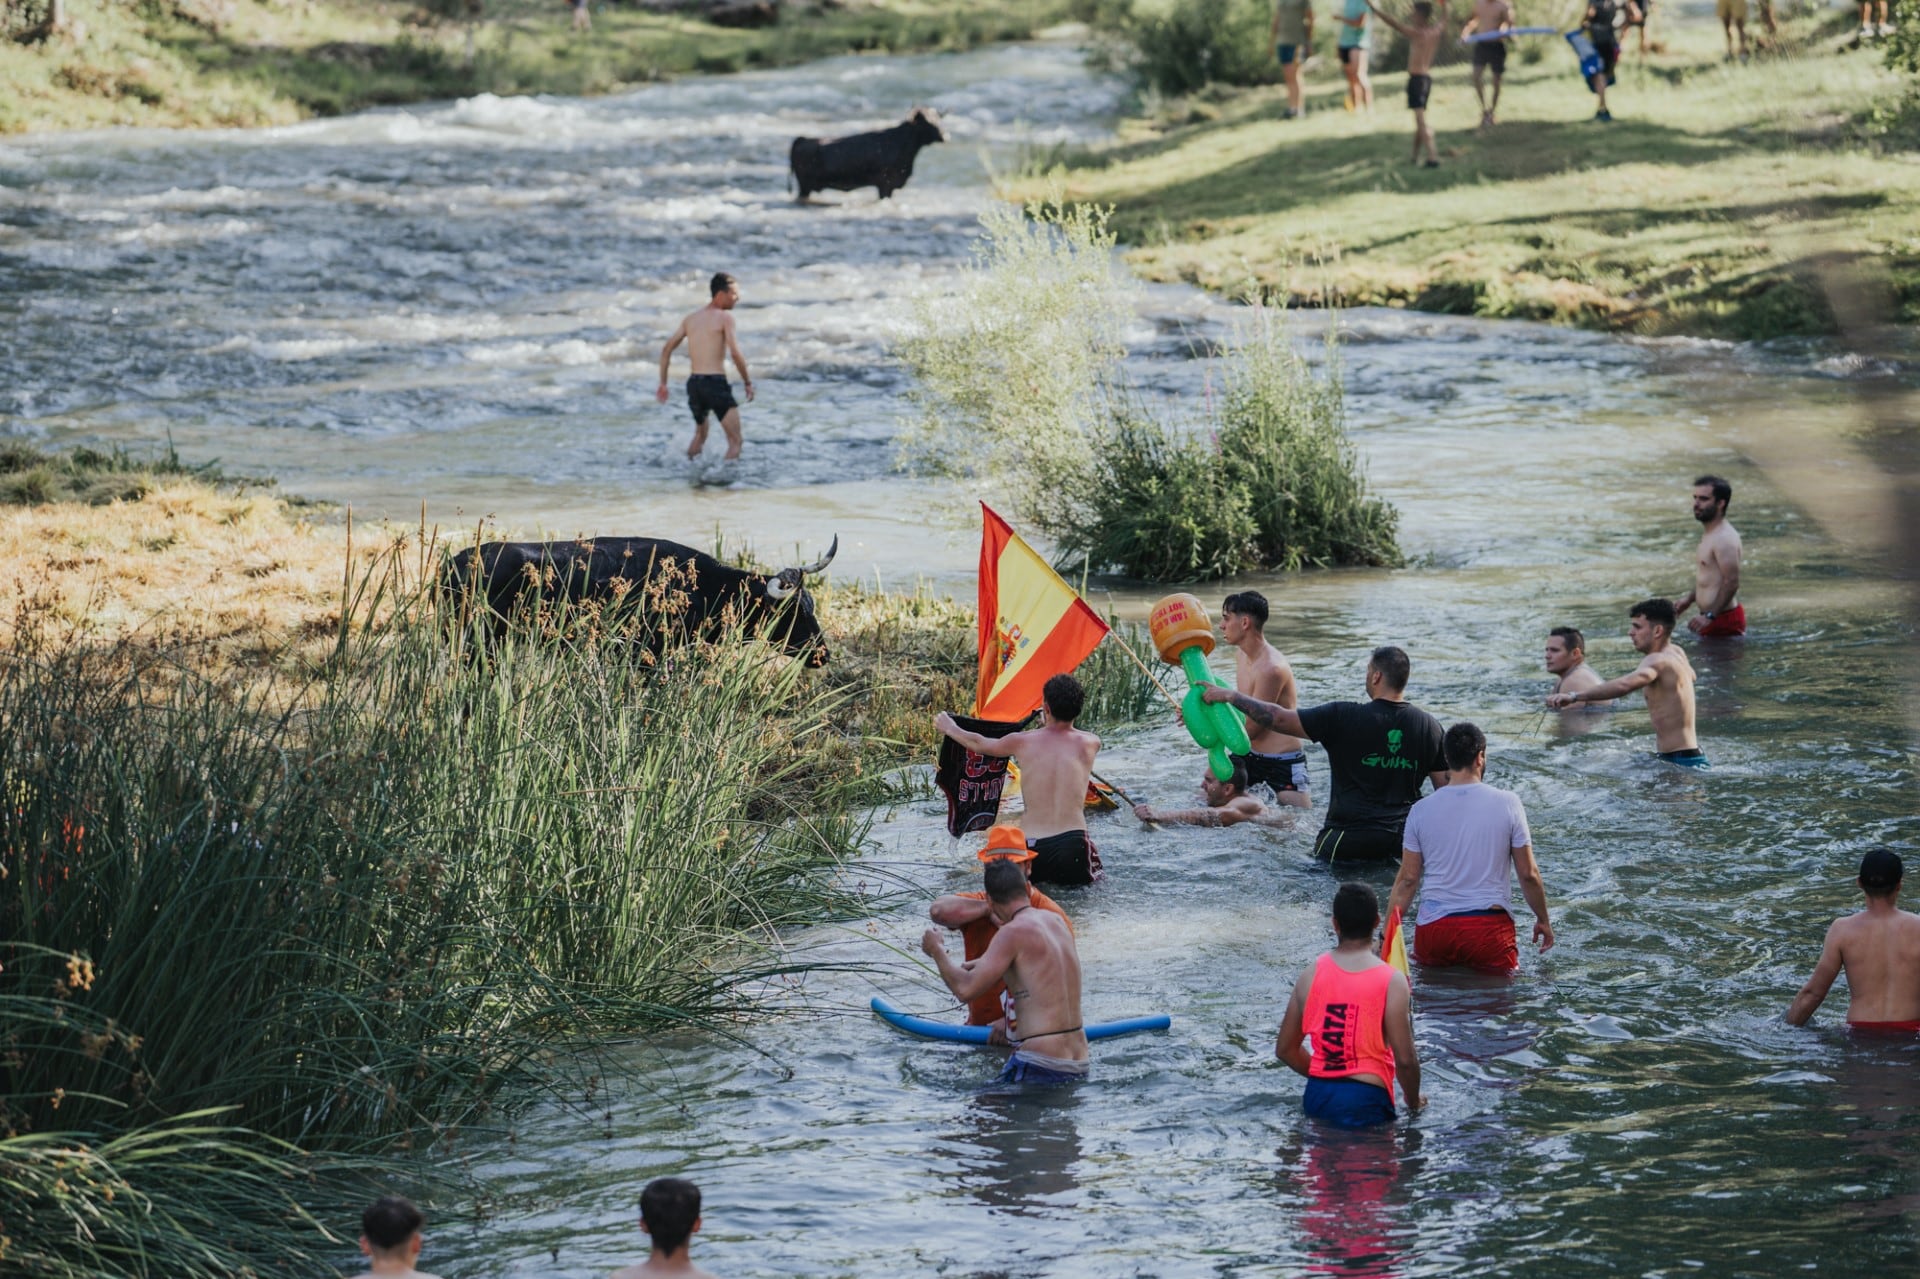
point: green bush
(1179, 46)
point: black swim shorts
(1609, 53)
(1491, 53)
(1336, 846)
(710, 393)
(1286, 772)
(1066, 858)
(1419, 87)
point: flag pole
(1127, 648)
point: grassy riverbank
(1706, 207)
(254, 62)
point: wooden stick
(1127, 648)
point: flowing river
(461, 304)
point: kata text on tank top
(1345, 1015)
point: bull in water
(883, 159)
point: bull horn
(778, 587)
(824, 559)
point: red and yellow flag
(1393, 945)
(1033, 626)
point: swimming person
(1056, 764)
(1488, 16)
(1292, 40)
(1358, 1010)
(1033, 953)
(1423, 40)
(1356, 38)
(1879, 951)
(390, 1237)
(1378, 754)
(1667, 676)
(1259, 670)
(967, 913)
(670, 1214)
(1716, 565)
(1228, 804)
(1463, 844)
(1567, 659)
(710, 338)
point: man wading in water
(710, 339)
(1033, 953)
(1056, 763)
(1667, 676)
(1716, 569)
(1260, 671)
(1878, 949)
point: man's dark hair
(1394, 666)
(1657, 611)
(1575, 641)
(1356, 911)
(390, 1221)
(669, 1206)
(1004, 881)
(1722, 491)
(720, 283)
(1248, 604)
(1423, 10)
(1462, 744)
(1880, 871)
(1238, 780)
(1064, 698)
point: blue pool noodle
(946, 1030)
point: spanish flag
(1393, 945)
(1033, 626)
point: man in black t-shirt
(1378, 753)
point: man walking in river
(1056, 763)
(1716, 569)
(1260, 671)
(1879, 951)
(1667, 676)
(1033, 953)
(710, 338)
(971, 915)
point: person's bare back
(1423, 45)
(1878, 950)
(1056, 763)
(1043, 977)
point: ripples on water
(463, 303)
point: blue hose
(946, 1030)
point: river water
(460, 305)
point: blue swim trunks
(1037, 1068)
(1692, 757)
(1348, 1103)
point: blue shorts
(1348, 1103)
(1286, 53)
(1032, 1068)
(1692, 757)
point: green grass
(1707, 207)
(249, 62)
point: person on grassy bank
(1603, 16)
(711, 339)
(1356, 42)
(1423, 41)
(1292, 39)
(390, 1238)
(670, 1216)
(1488, 16)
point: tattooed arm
(1263, 714)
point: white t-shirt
(1465, 835)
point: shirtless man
(1716, 570)
(969, 915)
(1878, 949)
(1666, 675)
(1423, 42)
(1033, 953)
(1567, 659)
(670, 1214)
(1261, 672)
(1056, 763)
(1488, 15)
(1228, 804)
(390, 1238)
(710, 339)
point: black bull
(517, 575)
(883, 160)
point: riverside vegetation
(299, 889)
(1022, 377)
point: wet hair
(669, 1206)
(1356, 911)
(1393, 665)
(1064, 698)
(1575, 641)
(1462, 744)
(1004, 880)
(720, 283)
(1248, 604)
(1238, 781)
(1423, 10)
(390, 1221)
(1722, 491)
(1657, 611)
(1880, 871)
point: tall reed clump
(257, 935)
(1178, 46)
(1266, 479)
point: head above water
(670, 1212)
(1566, 649)
(1249, 606)
(390, 1227)
(725, 290)
(1881, 871)
(1219, 793)
(1650, 624)
(1064, 698)
(1465, 746)
(1356, 912)
(1711, 497)
(1005, 881)
(1393, 668)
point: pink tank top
(1345, 1013)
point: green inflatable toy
(1183, 636)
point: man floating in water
(1667, 676)
(1879, 951)
(1261, 671)
(1716, 572)
(710, 338)
(971, 916)
(1228, 804)
(1567, 659)
(1358, 1010)
(1056, 764)
(1033, 953)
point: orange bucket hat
(1007, 842)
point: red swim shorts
(1731, 622)
(1483, 940)
(1884, 1027)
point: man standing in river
(1033, 953)
(1716, 569)
(971, 915)
(1879, 951)
(1667, 676)
(1261, 672)
(710, 338)
(1056, 763)
(1567, 662)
